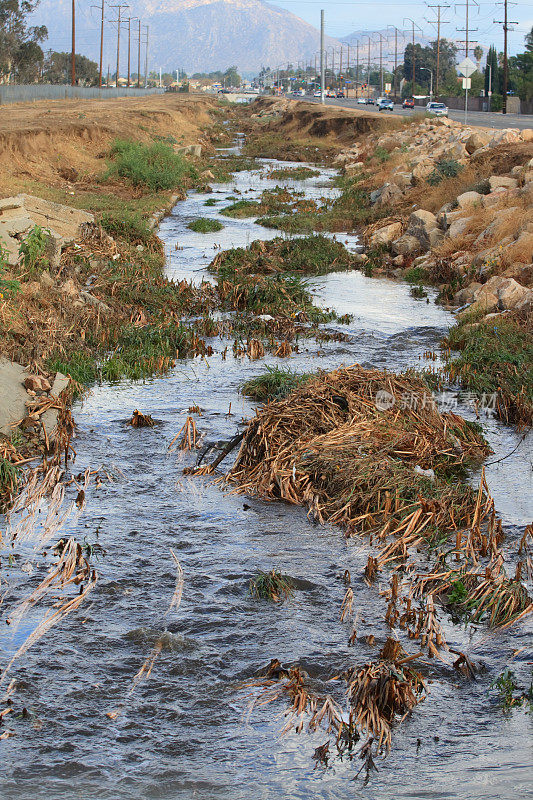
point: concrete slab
(13, 395)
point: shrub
(444, 168)
(156, 167)
(32, 250)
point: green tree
(20, 53)
(232, 77)
(478, 55)
(58, 65)
(521, 71)
(492, 70)
(426, 58)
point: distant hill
(195, 35)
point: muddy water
(183, 733)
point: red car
(408, 103)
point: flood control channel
(184, 733)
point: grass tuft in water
(274, 383)
(272, 586)
(205, 225)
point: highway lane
(481, 119)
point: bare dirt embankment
(54, 141)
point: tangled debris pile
(343, 445)
(370, 451)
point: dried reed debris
(346, 444)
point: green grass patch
(154, 167)
(242, 209)
(212, 201)
(278, 145)
(416, 275)
(129, 226)
(274, 383)
(345, 213)
(137, 354)
(205, 225)
(496, 362)
(312, 255)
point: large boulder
(389, 195)
(501, 182)
(387, 234)
(466, 295)
(423, 226)
(422, 171)
(511, 293)
(457, 228)
(469, 199)
(476, 140)
(406, 245)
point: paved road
(481, 119)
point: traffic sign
(467, 83)
(467, 67)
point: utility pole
(322, 66)
(119, 9)
(139, 58)
(381, 37)
(146, 58)
(438, 22)
(129, 49)
(368, 71)
(413, 23)
(101, 8)
(73, 54)
(357, 69)
(506, 23)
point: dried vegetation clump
(328, 446)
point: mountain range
(194, 35)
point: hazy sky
(344, 17)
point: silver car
(437, 109)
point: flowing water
(184, 732)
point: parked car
(437, 109)
(384, 104)
(409, 102)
